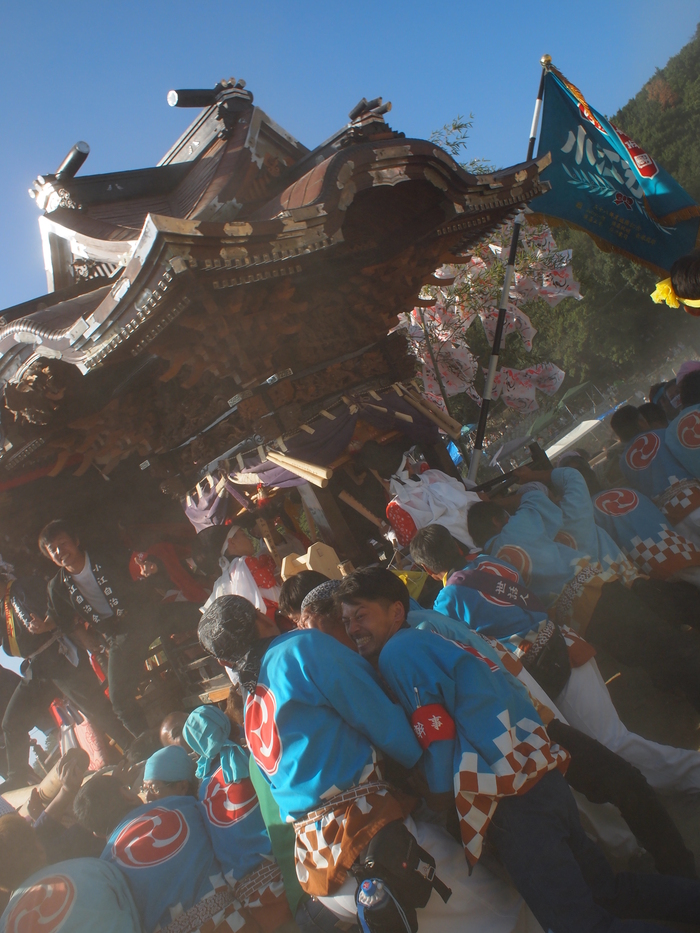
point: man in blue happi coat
(79, 895)
(582, 589)
(321, 729)
(483, 740)
(164, 850)
(683, 434)
(487, 595)
(668, 563)
(650, 466)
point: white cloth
(87, 584)
(600, 820)
(481, 902)
(237, 580)
(435, 499)
(586, 703)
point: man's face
(371, 624)
(64, 551)
(239, 545)
(330, 623)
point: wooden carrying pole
(268, 539)
(443, 416)
(505, 291)
(354, 504)
(317, 475)
(283, 459)
(447, 426)
(309, 477)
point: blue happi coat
(165, 852)
(491, 614)
(540, 542)
(235, 823)
(643, 532)
(427, 620)
(579, 524)
(648, 464)
(78, 896)
(527, 543)
(318, 719)
(480, 735)
(683, 439)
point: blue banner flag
(607, 185)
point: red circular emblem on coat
(261, 729)
(519, 559)
(151, 839)
(564, 537)
(642, 451)
(689, 430)
(616, 501)
(498, 570)
(44, 907)
(228, 803)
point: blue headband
(169, 764)
(207, 733)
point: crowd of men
(381, 764)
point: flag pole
(545, 61)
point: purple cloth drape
(324, 446)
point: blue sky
(100, 72)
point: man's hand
(123, 772)
(71, 771)
(38, 626)
(526, 474)
(72, 768)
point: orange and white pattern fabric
(528, 755)
(680, 500)
(262, 894)
(257, 904)
(329, 840)
(580, 596)
(664, 555)
(580, 651)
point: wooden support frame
(331, 524)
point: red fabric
(94, 743)
(263, 569)
(402, 523)
(181, 579)
(580, 651)
(432, 723)
(270, 608)
(38, 473)
(99, 673)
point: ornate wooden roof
(234, 290)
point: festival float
(222, 326)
